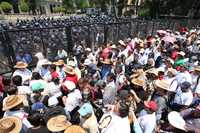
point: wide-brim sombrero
(21, 65)
(58, 123)
(12, 101)
(10, 124)
(74, 129)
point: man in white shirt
(21, 89)
(21, 70)
(148, 121)
(184, 94)
(119, 119)
(184, 75)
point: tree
(6, 7)
(24, 6)
(32, 6)
(81, 4)
(69, 5)
(15, 4)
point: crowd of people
(133, 86)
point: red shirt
(72, 78)
(54, 75)
(174, 55)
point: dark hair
(53, 67)
(11, 90)
(17, 80)
(123, 109)
(36, 76)
(35, 119)
(112, 76)
(6, 81)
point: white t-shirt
(117, 124)
(183, 98)
(73, 100)
(147, 123)
(26, 75)
(182, 77)
(23, 90)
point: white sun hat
(176, 120)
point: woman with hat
(12, 105)
(21, 70)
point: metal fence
(48, 40)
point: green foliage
(68, 5)
(59, 10)
(6, 7)
(81, 4)
(144, 12)
(24, 6)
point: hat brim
(19, 100)
(21, 67)
(17, 122)
(134, 81)
(74, 129)
(176, 120)
(53, 126)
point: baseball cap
(152, 105)
(85, 109)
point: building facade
(46, 6)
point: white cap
(88, 49)
(87, 62)
(69, 85)
(52, 101)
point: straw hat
(197, 69)
(12, 101)
(10, 124)
(58, 123)
(107, 61)
(45, 62)
(74, 129)
(162, 84)
(182, 53)
(69, 70)
(152, 71)
(137, 82)
(176, 120)
(59, 63)
(172, 71)
(20, 64)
